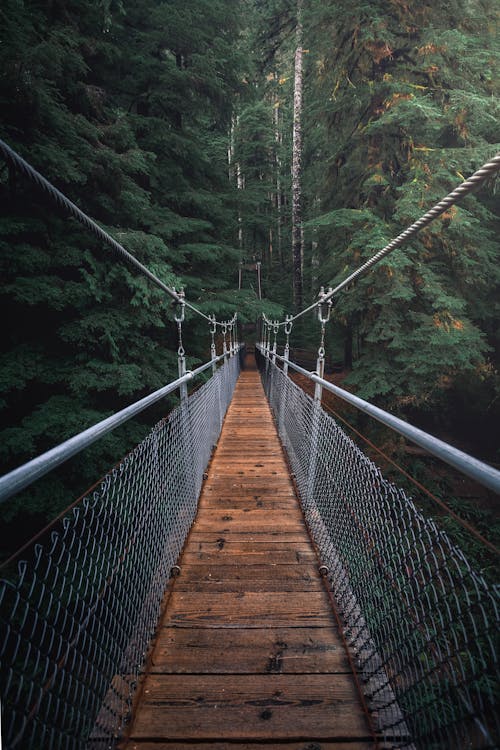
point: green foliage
(126, 108)
(400, 102)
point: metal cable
(63, 202)
(471, 184)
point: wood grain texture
(236, 745)
(248, 654)
(249, 651)
(248, 707)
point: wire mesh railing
(79, 611)
(420, 621)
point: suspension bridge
(246, 577)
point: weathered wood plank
(278, 502)
(252, 517)
(248, 655)
(281, 554)
(248, 707)
(300, 745)
(266, 576)
(248, 537)
(249, 609)
(249, 651)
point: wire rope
(468, 186)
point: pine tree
(126, 109)
(401, 110)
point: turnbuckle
(324, 307)
(179, 303)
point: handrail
(471, 467)
(20, 478)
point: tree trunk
(297, 231)
(278, 195)
(348, 348)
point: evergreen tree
(126, 108)
(400, 109)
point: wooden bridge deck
(248, 653)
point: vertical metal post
(213, 352)
(284, 391)
(275, 342)
(224, 342)
(286, 352)
(323, 317)
(236, 341)
(268, 346)
(188, 472)
(181, 359)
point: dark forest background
(171, 124)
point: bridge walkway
(248, 653)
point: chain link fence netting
(420, 622)
(79, 612)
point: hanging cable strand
(468, 186)
(13, 158)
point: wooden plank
(249, 538)
(246, 518)
(249, 609)
(300, 745)
(246, 503)
(211, 579)
(248, 654)
(235, 586)
(281, 554)
(246, 707)
(249, 651)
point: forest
(208, 135)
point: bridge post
(181, 359)
(275, 343)
(224, 342)
(268, 347)
(324, 309)
(213, 352)
(284, 392)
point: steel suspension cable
(62, 201)
(468, 186)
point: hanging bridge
(246, 577)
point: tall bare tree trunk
(297, 231)
(278, 196)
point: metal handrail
(483, 473)
(20, 478)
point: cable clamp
(324, 307)
(180, 303)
